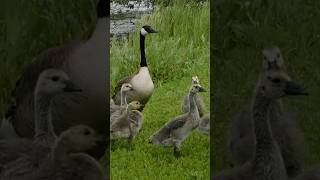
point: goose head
(145, 30)
(277, 84)
(196, 88)
(272, 58)
(80, 138)
(135, 105)
(126, 87)
(53, 82)
(195, 80)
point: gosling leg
(176, 152)
(130, 138)
(176, 149)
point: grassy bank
(240, 30)
(179, 51)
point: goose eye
(55, 78)
(87, 132)
(276, 80)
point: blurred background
(28, 27)
(240, 29)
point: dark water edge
(125, 15)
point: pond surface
(124, 16)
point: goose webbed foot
(130, 139)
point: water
(124, 16)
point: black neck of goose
(143, 62)
(103, 9)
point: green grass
(239, 32)
(179, 51)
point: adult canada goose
(178, 129)
(200, 105)
(128, 123)
(141, 82)
(67, 159)
(85, 63)
(266, 162)
(283, 125)
(50, 84)
(204, 124)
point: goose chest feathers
(142, 83)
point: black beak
(292, 88)
(152, 31)
(201, 89)
(70, 87)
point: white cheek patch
(143, 32)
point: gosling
(178, 129)
(199, 102)
(68, 160)
(129, 123)
(125, 88)
(204, 125)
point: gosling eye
(55, 78)
(278, 55)
(264, 57)
(276, 80)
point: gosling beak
(294, 89)
(71, 87)
(201, 89)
